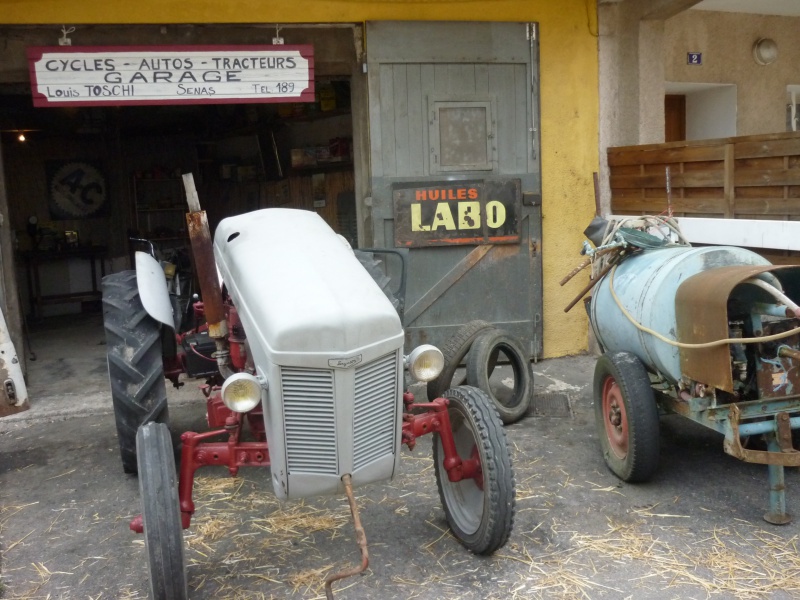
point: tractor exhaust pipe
(205, 265)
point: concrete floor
(66, 370)
(694, 531)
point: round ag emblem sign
(77, 191)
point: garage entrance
(445, 112)
(82, 181)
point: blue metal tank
(646, 285)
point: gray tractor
(303, 350)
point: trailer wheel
(626, 416)
(161, 516)
(454, 351)
(479, 511)
(510, 391)
(135, 367)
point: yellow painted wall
(569, 98)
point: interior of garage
(243, 157)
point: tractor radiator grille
(374, 425)
(308, 411)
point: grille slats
(374, 428)
(376, 421)
(310, 415)
(309, 421)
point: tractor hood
(299, 289)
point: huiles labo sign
(453, 213)
(117, 75)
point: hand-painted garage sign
(115, 75)
(451, 213)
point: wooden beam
(457, 272)
(748, 233)
(660, 10)
(729, 189)
(694, 179)
(660, 156)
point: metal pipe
(206, 268)
(612, 261)
(777, 489)
(775, 293)
(773, 310)
(361, 538)
(768, 426)
(787, 352)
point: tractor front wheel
(626, 416)
(161, 515)
(479, 510)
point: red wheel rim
(615, 418)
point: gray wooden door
(454, 113)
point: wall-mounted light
(765, 51)
(21, 137)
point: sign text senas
(82, 76)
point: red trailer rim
(615, 418)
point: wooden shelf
(143, 209)
(177, 238)
(315, 116)
(158, 209)
(321, 168)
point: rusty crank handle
(361, 538)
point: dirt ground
(695, 531)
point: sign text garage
(83, 76)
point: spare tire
(454, 351)
(511, 396)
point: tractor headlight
(241, 392)
(425, 362)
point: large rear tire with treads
(135, 365)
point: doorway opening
(699, 111)
(127, 161)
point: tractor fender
(153, 290)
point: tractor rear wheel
(626, 416)
(135, 366)
(479, 510)
(161, 515)
(511, 390)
